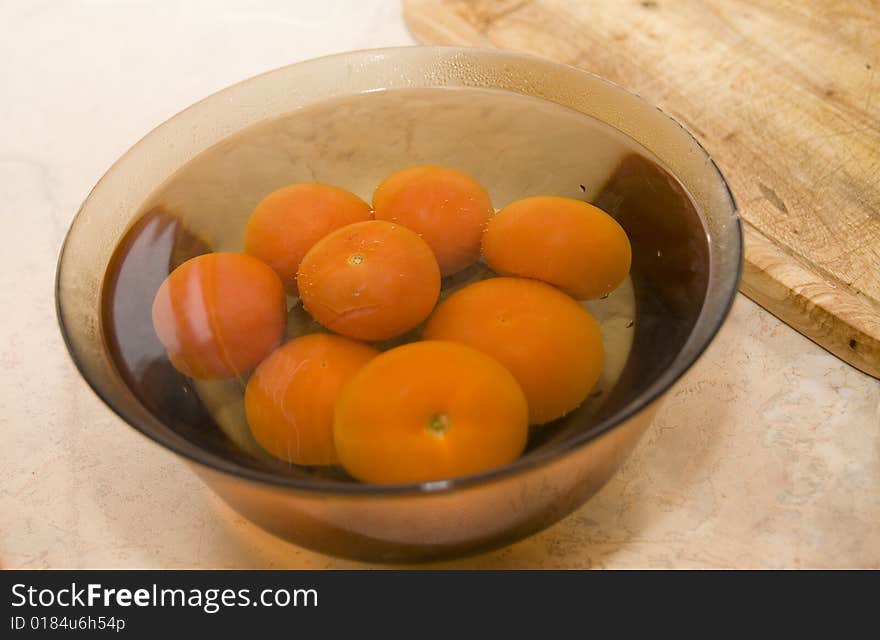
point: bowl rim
(525, 463)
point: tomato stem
(438, 424)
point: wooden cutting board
(785, 95)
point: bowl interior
(520, 125)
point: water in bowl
(516, 146)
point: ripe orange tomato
(447, 208)
(370, 280)
(568, 243)
(289, 221)
(550, 344)
(429, 411)
(290, 396)
(219, 314)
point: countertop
(766, 454)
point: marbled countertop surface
(767, 454)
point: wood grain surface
(785, 96)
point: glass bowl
(676, 208)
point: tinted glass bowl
(685, 273)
